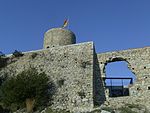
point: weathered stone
(138, 62)
(58, 37)
(70, 80)
(77, 72)
(104, 111)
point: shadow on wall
(118, 91)
(98, 87)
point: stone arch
(116, 59)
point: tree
(29, 87)
(2, 54)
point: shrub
(17, 53)
(49, 110)
(3, 60)
(28, 87)
(33, 55)
(2, 54)
(126, 110)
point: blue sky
(119, 69)
(111, 24)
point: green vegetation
(17, 53)
(28, 88)
(133, 106)
(3, 60)
(126, 110)
(33, 55)
(2, 54)
(49, 110)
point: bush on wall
(3, 60)
(17, 53)
(28, 87)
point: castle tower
(58, 37)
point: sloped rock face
(103, 111)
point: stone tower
(58, 37)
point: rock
(103, 111)
(139, 110)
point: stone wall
(58, 37)
(69, 67)
(139, 63)
(77, 73)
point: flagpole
(68, 22)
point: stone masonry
(77, 72)
(70, 68)
(138, 61)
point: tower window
(47, 47)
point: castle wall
(69, 67)
(77, 72)
(139, 63)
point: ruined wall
(139, 63)
(70, 68)
(77, 72)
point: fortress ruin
(79, 72)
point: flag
(65, 23)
